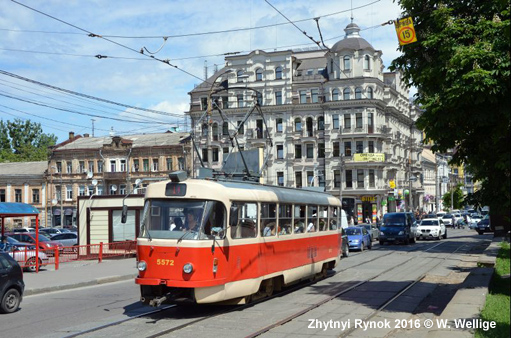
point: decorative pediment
(118, 143)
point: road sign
(405, 31)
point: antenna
(351, 11)
(90, 174)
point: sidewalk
(79, 274)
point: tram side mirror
(124, 214)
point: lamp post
(61, 206)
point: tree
(457, 198)
(22, 141)
(460, 66)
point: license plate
(390, 238)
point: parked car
(358, 238)
(11, 284)
(27, 258)
(67, 239)
(484, 226)
(440, 215)
(447, 219)
(44, 242)
(397, 227)
(50, 231)
(373, 231)
(15, 243)
(431, 228)
(23, 230)
(474, 220)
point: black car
(11, 284)
(483, 226)
(398, 227)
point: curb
(97, 281)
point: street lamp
(61, 206)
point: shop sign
(368, 199)
(369, 157)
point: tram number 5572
(168, 262)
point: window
(69, 192)
(358, 93)
(347, 121)
(69, 166)
(310, 71)
(336, 151)
(370, 127)
(335, 121)
(215, 131)
(298, 124)
(239, 99)
(123, 231)
(2, 195)
(181, 163)
(278, 123)
(225, 150)
(259, 128)
(136, 165)
(337, 178)
(310, 178)
(299, 219)
(90, 190)
(370, 146)
(100, 167)
(239, 76)
(369, 92)
(321, 150)
(59, 167)
(122, 189)
(113, 166)
(298, 179)
(113, 189)
(314, 96)
(310, 150)
(215, 154)
(204, 103)
(155, 164)
(347, 148)
(100, 190)
(321, 123)
(367, 62)
(360, 178)
(349, 179)
(169, 163)
(280, 151)
(285, 219)
(303, 96)
(278, 97)
(58, 192)
(371, 178)
(298, 151)
(259, 74)
(81, 190)
(347, 94)
(331, 65)
(347, 63)
(205, 154)
(259, 98)
(91, 166)
(145, 163)
(35, 195)
(17, 196)
(246, 226)
(335, 95)
(359, 147)
(321, 179)
(205, 130)
(268, 219)
(358, 120)
(225, 128)
(123, 165)
(280, 178)
(241, 128)
(278, 73)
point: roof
(315, 63)
(21, 209)
(352, 40)
(137, 141)
(23, 168)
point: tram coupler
(156, 302)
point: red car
(44, 242)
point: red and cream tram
(210, 241)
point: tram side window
(333, 218)
(268, 219)
(156, 219)
(299, 218)
(312, 218)
(323, 218)
(285, 219)
(245, 225)
(215, 220)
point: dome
(352, 40)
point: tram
(217, 241)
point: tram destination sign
(175, 189)
(369, 157)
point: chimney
(85, 135)
(71, 135)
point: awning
(21, 209)
(68, 212)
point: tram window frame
(333, 218)
(241, 230)
(299, 215)
(312, 217)
(285, 220)
(323, 218)
(268, 219)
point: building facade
(336, 121)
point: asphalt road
(390, 268)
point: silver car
(25, 254)
(67, 239)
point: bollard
(100, 256)
(56, 256)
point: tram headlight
(141, 266)
(188, 268)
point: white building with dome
(336, 119)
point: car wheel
(31, 264)
(413, 240)
(370, 246)
(382, 242)
(346, 253)
(362, 247)
(10, 301)
(445, 235)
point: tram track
(288, 290)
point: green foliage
(461, 68)
(457, 198)
(22, 141)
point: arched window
(367, 62)
(358, 93)
(335, 95)
(278, 73)
(298, 124)
(239, 75)
(259, 74)
(347, 94)
(369, 92)
(225, 128)
(215, 131)
(347, 62)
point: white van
(344, 219)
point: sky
(52, 49)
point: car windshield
(12, 240)
(447, 216)
(429, 222)
(353, 231)
(43, 238)
(394, 221)
(183, 219)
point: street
(390, 281)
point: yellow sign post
(405, 31)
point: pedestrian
(4, 244)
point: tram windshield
(183, 219)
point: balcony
(117, 175)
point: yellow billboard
(369, 157)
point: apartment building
(336, 121)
